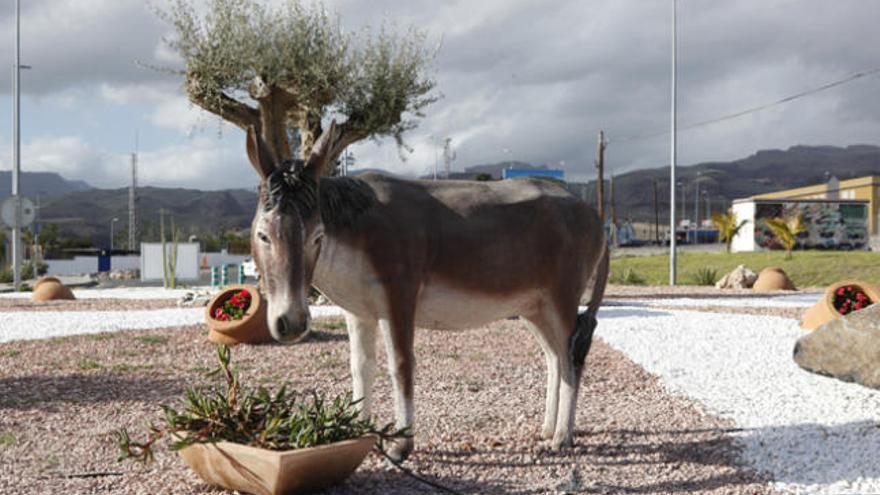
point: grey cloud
(541, 78)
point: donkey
(398, 254)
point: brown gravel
(8, 305)
(479, 406)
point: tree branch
(222, 105)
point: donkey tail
(582, 338)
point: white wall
(223, 258)
(187, 260)
(79, 264)
(745, 239)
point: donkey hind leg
(579, 343)
(401, 366)
(362, 344)
(551, 404)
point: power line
(758, 108)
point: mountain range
(87, 212)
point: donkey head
(287, 232)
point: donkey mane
(342, 199)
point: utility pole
(656, 213)
(612, 211)
(600, 180)
(448, 156)
(696, 210)
(132, 201)
(16, 151)
(673, 142)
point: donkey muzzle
(288, 331)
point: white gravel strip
(119, 293)
(22, 325)
(812, 434)
(786, 301)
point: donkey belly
(445, 307)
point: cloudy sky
(530, 80)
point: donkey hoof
(547, 432)
(562, 442)
(400, 449)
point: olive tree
(284, 69)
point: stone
(740, 278)
(194, 299)
(846, 348)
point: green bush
(628, 277)
(705, 276)
(27, 271)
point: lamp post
(673, 139)
(112, 223)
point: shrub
(706, 276)
(628, 277)
(282, 420)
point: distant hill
(764, 171)
(88, 213)
(40, 183)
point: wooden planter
(252, 328)
(823, 311)
(265, 472)
(50, 289)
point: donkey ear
(322, 150)
(258, 154)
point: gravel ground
(811, 434)
(479, 401)
(8, 305)
(692, 291)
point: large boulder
(847, 348)
(740, 278)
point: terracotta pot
(823, 311)
(771, 279)
(50, 289)
(252, 328)
(266, 472)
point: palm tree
(786, 231)
(727, 226)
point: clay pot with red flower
(840, 299)
(237, 315)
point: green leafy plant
(728, 226)
(706, 276)
(281, 420)
(628, 277)
(786, 231)
(169, 260)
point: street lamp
(112, 223)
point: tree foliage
(284, 69)
(786, 231)
(728, 226)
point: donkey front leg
(362, 343)
(398, 336)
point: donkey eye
(263, 237)
(318, 240)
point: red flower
(245, 294)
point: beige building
(862, 188)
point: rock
(194, 299)
(740, 278)
(771, 279)
(847, 348)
